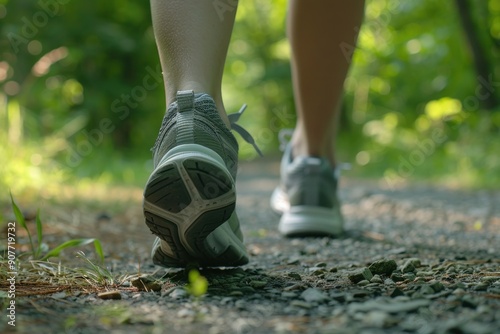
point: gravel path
(414, 260)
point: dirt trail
(436, 254)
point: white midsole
(309, 219)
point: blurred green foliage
(82, 93)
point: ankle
(303, 148)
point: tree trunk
(482, 64)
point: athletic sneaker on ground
(189, 199)
(307, 197)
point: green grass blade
(20, 220)
(68, 244)
(39, 233)
(18, 213)
(98, 249)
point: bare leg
(316, 29)
(192, 39)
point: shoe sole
(187, 200)
(305, 221)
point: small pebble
(376, 279)
(236, 293)
(359, 275)
(436, 286)
(295, 275)
(363, 282)
(110, 295)
(409, 276)
(481, 287)
(146, 283)
(397, 277)
(426, 290)
(313, 295)
(301, 304)
(257, 284)
(383, 267)
(397, 292)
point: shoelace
(285, 135)
(233, 118)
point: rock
(469, 301)
(339, 296)
(397, 292)
(178, 293)
(313, 295)
(320, 264)
(377, 319)
(360, 293)
(293, 287)
(246, 289)
(333, 270)
(257, 284)
(300, 303)
(59, 295)
(293, 261)
(110, 295)
(397, 277)
(408, 267)
(383, 267)
(436, 286)
(288, 294)
(414, 261)
(451, 270)
(481, 287)
(426, 290)
(409, 276)
(376, 279)
(363, 282)
(145, 283)
(236, 293)
(359, 275)
(184, 313)
(388, 306)
(389, 281)
(317, 271)
(490, 279)
(294, 275)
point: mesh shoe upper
(308, 181)
(203, 126)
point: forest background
(82, 97)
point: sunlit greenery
(82, 97)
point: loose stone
(436, 286)
(408, 267)
(110, 295)
(359, 275)
(383, 267)
(300, 303)
(295, 275)
(426, 290)
(363, 282)
(313, 295)
(145, 283)
(397, 277)
(257, 284)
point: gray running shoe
(307, 197)
(190, 197)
